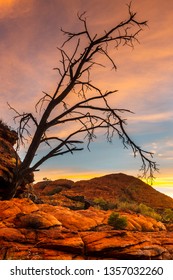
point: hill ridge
(110, 187)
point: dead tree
(92, 111)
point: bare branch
(42, 100)
(24, 126)
(92, 113)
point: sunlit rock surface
(42, 231)
(62, 220)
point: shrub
(167, 215)
(124, 206)
(103, 204)
(117, 221)
(148, 211)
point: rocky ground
(43, 231)
(67, 220)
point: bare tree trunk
(75, 78)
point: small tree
(91, 112)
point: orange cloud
(14, 8)
(6, 7)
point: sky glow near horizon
(30, 33)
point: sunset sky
(30, 34)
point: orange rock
(36, 220)
(14, 206)
(126, 245)
(44, 231)
(11, 234)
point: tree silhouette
(80, 53)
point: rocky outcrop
(42, 231)
(111, 188)
(8, 158)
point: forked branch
(92, 113)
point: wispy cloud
(157, 117)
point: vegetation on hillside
(165, 215)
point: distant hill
(110, 187)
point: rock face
(8, 158)
(42, 231)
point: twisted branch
(85, 117)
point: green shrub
(103, 204)
(124, 206)
(117, 221)
(134, 207)
(148, 211)
(167, 216)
